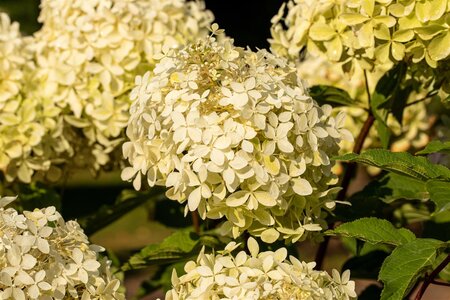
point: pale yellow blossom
(233, 133)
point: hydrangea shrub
(236, 137)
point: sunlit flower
(43, 257)
(232, 133)
(261, 275)
(364, 33)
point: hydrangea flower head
(261, 275)
(233, 133)
(44, 257)
(24, 122)
(86, 56)
(11, 78)
(365, 33)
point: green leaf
(392, 187)
(439, 194)
(374, 231)
(445, 273)
(397, 187)
(399, 100)
(388, 94)
(181, 245)
(381, 115)
(326, 94)
(399, 162)
(126, 202)
(177, 246)
(351, 244)
(435, 147)
(365, 203)
(406, 264)
(391, 80)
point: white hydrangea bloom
(234, 134)
(24, 122)
(44, 257)
(10, 59)
(261, 275)
(86, 56)
(11, 78)
(365, 33)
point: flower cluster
(10, 59)
(24, 122)
(234, 134)
(261, 275)
(85, 58)
(366, 33)
(411, 134)
(43, 257)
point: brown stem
(440, 283)
(427, 96)
(348, 175)
(321, 252)
(195, 221)
(351, 167)
(359, 143)
(429, 279)
(349, 172)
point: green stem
(427, 96)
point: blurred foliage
(37, 195)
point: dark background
(247, 21)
